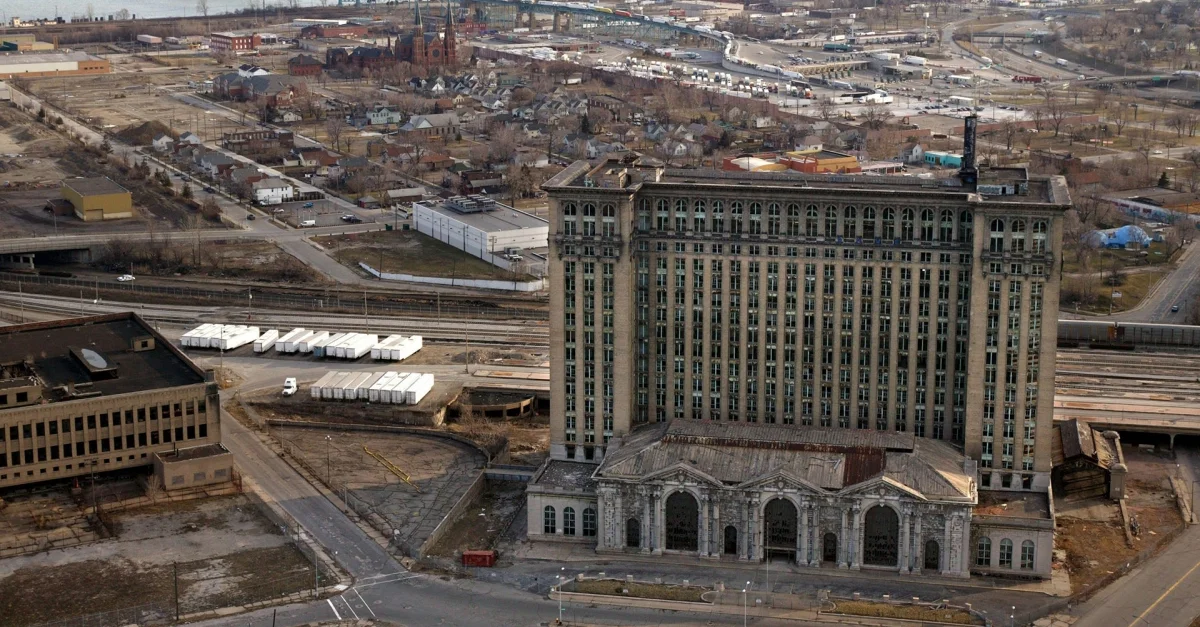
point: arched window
(851, 228)
(549, 520)
(946, 231)
(1027, 555)
(1006, 547)
(1039, 236)
(996, 236)
(889, 223)
(793, 220)
(927, 225)
(718, 217)
(983, 552)
(868, 230)
(569, 225)
(735, 217)
(589, 219)
(965, 230)
(568, 521)
(608, 214)
(831, 220)
(589, 523)
(906, 224)
(1017, 233)
(662, 219)
(773, 219)
(681, 215)
(755, 218)
(810, 221)
(698, 224)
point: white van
(307, 223)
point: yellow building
(97, 198)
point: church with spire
(421, 46)
(425, 47)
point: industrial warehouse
(97, 394)
(57, 63)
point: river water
(68, 9)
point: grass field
(906, 612)
(409, 252)
(638, 590)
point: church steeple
(417, 21)
(449, 17)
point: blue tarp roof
(1120, 237)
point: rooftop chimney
(967, 171)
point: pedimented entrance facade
(730, 491)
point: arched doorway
(633, 533)
(779, 528)
(933, 556)
(730, 540)
(682, 522)
(829, 548)
(881, 537)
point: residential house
(216, 164)
(162, 143)
(911, 152)
(481, 181)
(287, 116)
(434, 125)
(346, 167)
(381, 115)
(189, 138)
(247, 70)
(304, 65)
(241, 178)
(272, 191)
(403, 195)
(316, 157)
(809, 143)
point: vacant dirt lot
(481, 525)
(225, 551)
(181, 255)
(442, 469)
(410, 252)
(1091, 531)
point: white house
(162, 143)
(190, 138)
(383, 115)
(272, 191)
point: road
(1180, 287)
(1161, 592)
(384, 589)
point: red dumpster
(479, 558)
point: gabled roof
(832, 460)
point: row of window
(550, 521)
(983, 553)
(95, 464)
(89, 422)
(41, 454)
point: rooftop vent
(97, 365)
(471, 204)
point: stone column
(603, 531)
(802, 540)
(752, 530)
(816, 542)
(704, 539)
(719, 529)
(646, 508)
(904, 542)
(844, 541)
(918, 561)
(660, 523)
(856, 548)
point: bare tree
(1055, 109)
(875, 115)
(335, 125)
(202, 9)
(1120, 117)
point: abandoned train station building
(850, 371)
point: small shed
(1086, 463)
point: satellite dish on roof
(94, 359)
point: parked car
(249, 216)
(308, 205)
(129, 277)
(289, 386)
(1174, 308)
(351, 218)
(210, 190)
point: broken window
(633, 533)
(881, 539)
(682, 522)
(780, 519)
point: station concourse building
(852, 371)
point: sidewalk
(1058, 586)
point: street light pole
(328, 475)
(562, 571)
(744, 607)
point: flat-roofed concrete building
(97, 198)
(97, 394)
(867, 304)
(486, 229)
(53, 63)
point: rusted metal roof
(831, 459)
